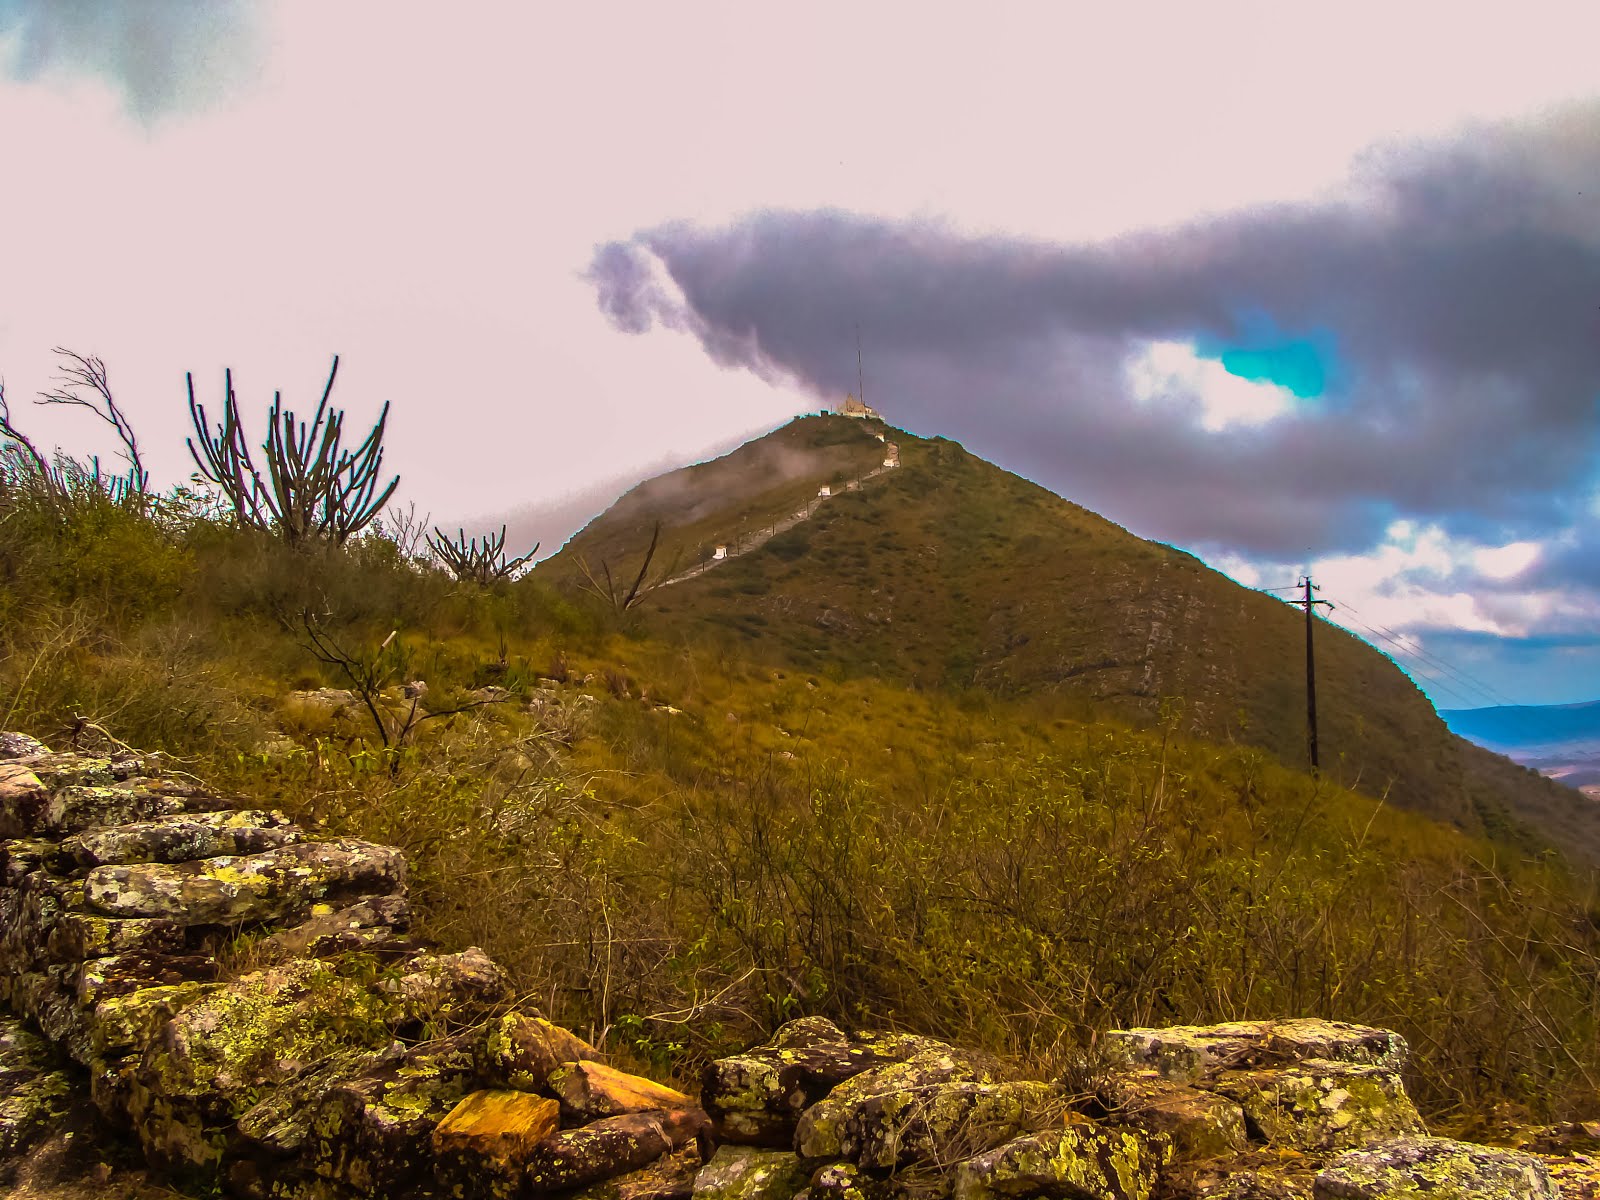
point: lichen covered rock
(1435, 1168)
(34, 1092)
(756, 1098)
(838, 1125)
(750, 1173)
(670, 1177)
(1081, 1162)
(1201, 1124)
(1322, 1105)
(182, 838)
(1188, 1053)
(520, 1051)
(279, 885)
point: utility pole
(1308, 603)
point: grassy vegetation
(681, 827)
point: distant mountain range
(1560, 740)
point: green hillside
(950, 574)
(952, 755)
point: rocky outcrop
(334, 1059)
(328, 1056)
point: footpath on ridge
(235, 998)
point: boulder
(847, 1181)
(939, 1124)
(837, 1126)
(183, 837)
(1201, 1124)
(279, 885)
(1411, 1167)
(373, 1132)
(589, 1091)
(1079, 1162)
(756, 1098)
(612, 1147)
(1189, 1053)
(482, 1144)
(1321, 1105)
(440, 985)
(750, 1173)
(520, 1051)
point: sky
(1295, 289)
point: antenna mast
(861, 379)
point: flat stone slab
(1188, 1053)
(1435, 1168)
(279, 885)
(481, 1145)
(183, 837)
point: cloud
(163, 55)
(1432, 343)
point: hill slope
(952, 574)
(1561, 740)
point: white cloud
(1171, 373)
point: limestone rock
(750, 1173)
(670, 1177)
(756, 1098)
(847, 1181)
(481, 1145)
(1201, 1124)
(1322, 1105)
(126, 1023)
(1188, 1053)
(21, 857)
(209, 1062)
(614, 1146)
(836, 1126)
(1438, 1168)
(279, 885)
(589, 1091)
(520, 1051)
(1079, 1162)
(182, 838)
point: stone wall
(238, 998)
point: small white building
(721, 552)
(825, 491)
(858, 409)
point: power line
(1435, 680)
(1415, 650)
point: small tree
(314, 489)
(83, 383)
(610, 590)
(470, 563)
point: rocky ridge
(238, 998)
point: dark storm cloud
(163, 55)
(1458, 305)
